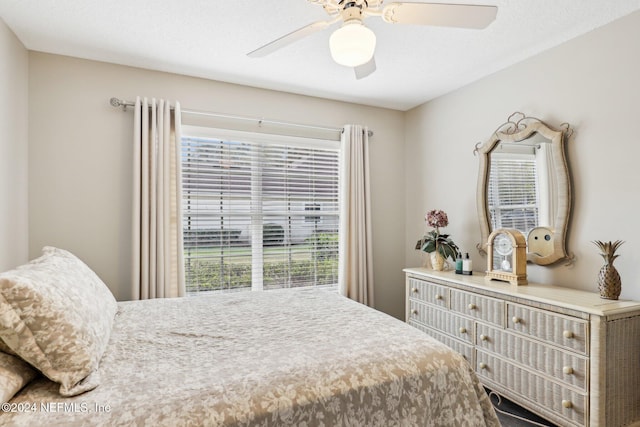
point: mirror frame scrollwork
(519, 128)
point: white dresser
(566, 355)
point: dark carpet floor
(521, 417)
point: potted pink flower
(438, 245)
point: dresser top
(589, 302)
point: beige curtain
(355, 276)
(158, 269)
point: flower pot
(437, 261)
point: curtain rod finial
(115, 102)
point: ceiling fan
(353, 44)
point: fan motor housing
(351, 11)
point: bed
(276, 358)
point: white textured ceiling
(210, 39)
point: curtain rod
(115, 102)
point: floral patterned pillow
(56, 314)
(15, 373)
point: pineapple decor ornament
(609, 282)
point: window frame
(256, 139)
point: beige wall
(592, 82)
(14, 63)
(80, 159)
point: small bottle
(459, 263)
(467, 265)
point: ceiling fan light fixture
(352, 44)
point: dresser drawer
(429, 293)
(562, 402)
(465, 350)
(477, 306)
(557, 329)
(563, 365)
(444, 321)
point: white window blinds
(259, 213)
(513, 195)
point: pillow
(14, 374)
(56, 314)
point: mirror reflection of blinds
(246, 210)
(513, 193)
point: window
(513, 194)
(246, 210)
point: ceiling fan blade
(290, 38)
(365, 69)
(445, 15)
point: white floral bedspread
(273, 358)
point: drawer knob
(482, 365)
(568, 334)
(414, 311)
(568, 370)
(414, 290)
(438, 296)
(516, 319)
(567, 404)
(472, 306)
(483, 337)
(463, 330)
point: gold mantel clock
(507, 256)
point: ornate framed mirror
(523, 183)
